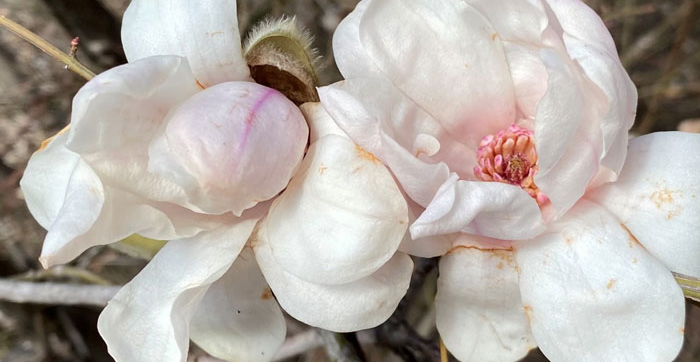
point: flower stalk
(690, 286)
(71, 62)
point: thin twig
(63, 271)
(56, 293)
(72, 63)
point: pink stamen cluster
(510, 157)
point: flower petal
(567, 134)
(148, 318)
(427, 247)
(479, 313)
(591, 291)
(341, 217)
(238, 319)
(205, 32)
(373, 132)
(589, 43)
(46, 180)
(361, 304)
(349, 54)
(491, 209)
(256, 135)
(427, 50)
(116, 115)
(657, 197)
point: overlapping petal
(230, 146)
(567, 135)
(148, 318)
(491, 209)
(657, 197)
(341, 217)
(479, 313)
(364, 303)
(238, 319)
(374, 132)
(426, 49)
(591, 291)
(116, 115)
(205, 32)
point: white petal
(349, 54)
(341, 217)
(230, 146)
(427, 247)
(362, 304)
(117, 114)
(205, 32)
(567, 134)
(46, 180)
(479, 313)
(592, 293)
(658, 197)
(238, 319)
(589, 43)
(320, 122)
(491, 209)
(419, 179)
(148, 319)
(84, 199)
(444, 56)
(65, 196)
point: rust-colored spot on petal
(366, 155)
(322, 169)
(490, 250)
(267, 294)
(528, 313)
(632, 240)
(495, 36)
(199, 84)
(682, 330)
(665, 200)
(610, 284)
(45, 143)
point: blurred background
(658, 42)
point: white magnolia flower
(181, 145)
(505, 123)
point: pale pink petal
(479, 313)
(205, 32)
(657, 197)
(341, 217)
(567, 134)
(592, 292)
(444, 56)
(148, 320)
(116, 115)
(419, 179)
(350, 56)
(427, 247)
(361, 304)
(238, 319)
(230, 146)
(491, 209)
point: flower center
(510, 157)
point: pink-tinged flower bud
(231, 146)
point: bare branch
(56, 293)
